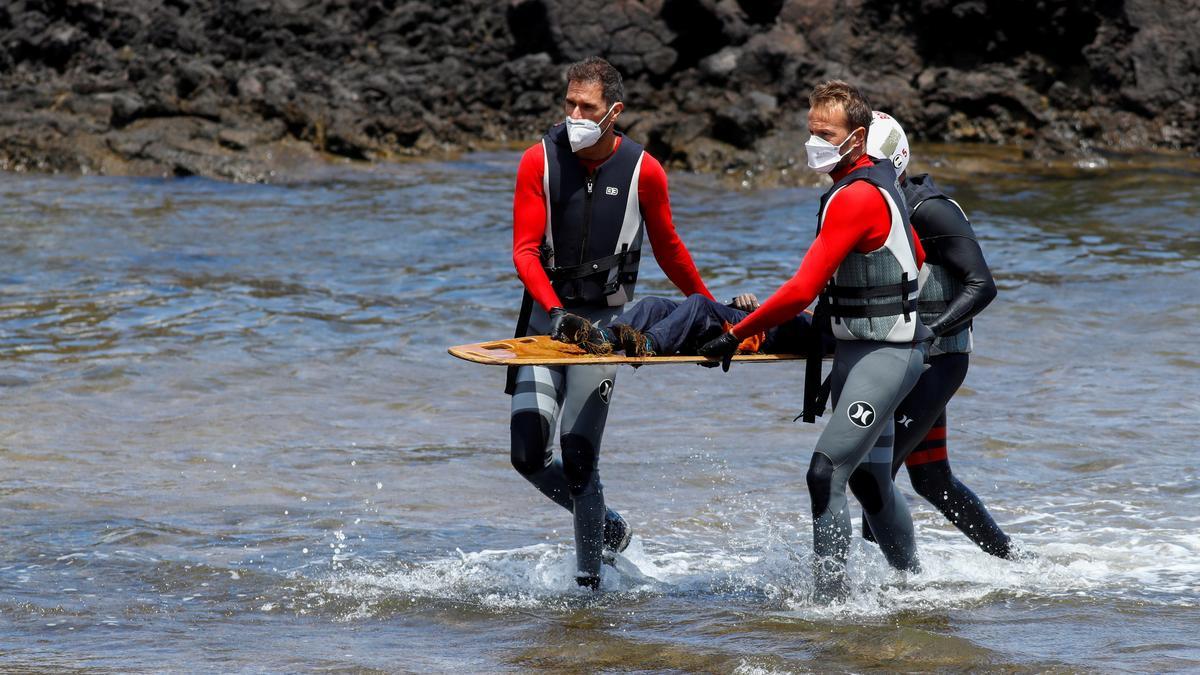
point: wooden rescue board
(540, 350)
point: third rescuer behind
(957, 286)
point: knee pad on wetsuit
(866, 489)
(579, 464)
(530, 441)
(820, 480)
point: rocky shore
(244, 89)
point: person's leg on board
(669, 327)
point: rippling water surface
(231, 439)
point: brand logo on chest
(611, 191)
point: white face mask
(583, 133)
(823, 156)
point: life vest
(594, 227)
(938, 286)
(873, 296)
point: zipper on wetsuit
(587, 218)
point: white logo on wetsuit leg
(861, 414)
(610, 190)
(904, 421)
(605, 390)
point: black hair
(596, 69)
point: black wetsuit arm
(955, 248)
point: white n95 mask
(823, 155)
(583, 133)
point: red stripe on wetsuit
(931, 449)
(530, 220)
(856, 219)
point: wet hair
(596, 69)
(846, 96)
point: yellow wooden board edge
(540, 350)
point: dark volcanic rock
(238, 88)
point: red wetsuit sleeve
(918, 249)
(856, 219)
(529, 228)
(669, 250)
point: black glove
(557, 314)
(722, 347)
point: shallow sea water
(231, 439)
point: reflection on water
(231, 436)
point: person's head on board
(594, 100)
(838, 119)
(886, 140)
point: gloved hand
(722, 347)
(557, 315)
(747, 302)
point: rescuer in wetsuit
(864, 265)
(957, 285)
(585, 196)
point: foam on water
(764, 570)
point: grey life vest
(873, 296)
(938, 286)
(594, 232)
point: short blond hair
(836, 93)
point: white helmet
(886, 140)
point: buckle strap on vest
(906, 308)
(903, 288)
(933, 306)
(903, 305)
(586, 269)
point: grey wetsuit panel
(869, 380)
(575, 399)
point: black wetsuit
(950, 243)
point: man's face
(585, 100)
(830, 123)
